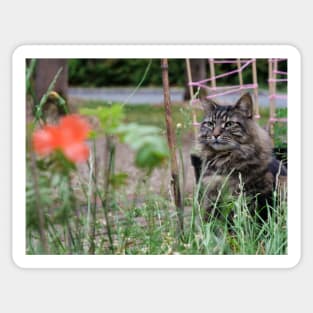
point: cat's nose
(216, 132)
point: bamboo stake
(172, 146)
(272, 90)
(275, 75)
(212, 73)
(240, 75)
(256, 89)
(193, 112)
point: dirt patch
(158, 183)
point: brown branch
(172, 146)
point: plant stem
(109, 156)
(92, 233)
(40, 214)
(75, 235)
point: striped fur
(234, 147)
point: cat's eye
(208, 124)
(230, 124)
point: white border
(156, 51)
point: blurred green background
(128, 72)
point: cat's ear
(208, 105)
(245, 105)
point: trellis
(214, 90)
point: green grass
(145, 113)
(150, 227)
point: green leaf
(29, 73)
(110, 117)
(150, 147)
(119, 179)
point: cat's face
(225, 128)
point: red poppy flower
(69, 137)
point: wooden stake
(240, 75)
(256, 89)
(212, 73)
(193, 112)
(272, 66)
(172, 146)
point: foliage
(110, 117)
(120, 72)
(151, 149)
(128, 72)
(146, 141)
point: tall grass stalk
(91, 201)
(38, 206)
(140, 83)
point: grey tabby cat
(236, 150)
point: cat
(235, 151)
